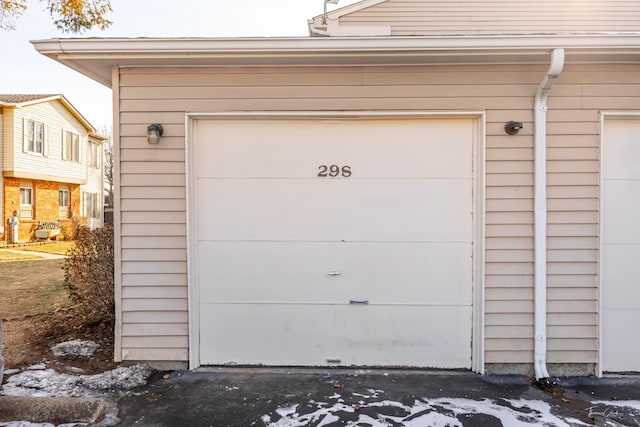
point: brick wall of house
(11, 203)
(45, 205)
(46, 201)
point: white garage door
(334, 242)
(620, 279)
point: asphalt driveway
(268, 397)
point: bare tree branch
(70, 16)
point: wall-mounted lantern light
(512, 127)
(154, 132)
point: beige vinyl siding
(419, 17)
(8, 130)
(153, 246)
(56, 119)
(153, 195)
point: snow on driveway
(423, 412)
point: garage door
(620, 274)
(334, 242)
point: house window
(34, 136)
(93, 156)
(64, 202)
(70, 146)
(26, 201)
(91, 205)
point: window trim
(26, 209)
(70, 146)
(63, 210)
(94, 159)
(91, 207)
(30, 142)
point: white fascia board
(95, 57)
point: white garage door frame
(479, 119)
(602, 284)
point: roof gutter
(540, 212)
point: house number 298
(334, 171)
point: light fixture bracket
(512, 127)
(154, 132)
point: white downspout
(540, 212)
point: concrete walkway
(42, 255)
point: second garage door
(620, 240)
(334, 241)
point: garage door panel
(274, 334)
(247, 149)
(620, 350)
(622, 201)
(622, 268)
(622, 150)
(390, 210)
(251, 272)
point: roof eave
(64, 101)
(95, 58)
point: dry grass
(58, 247)
(32, 287)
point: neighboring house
(460, 190)
(51, 162)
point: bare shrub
(88, 273)
(70, 229)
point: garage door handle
(334, 273)
(362, 302)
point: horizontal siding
(153, 194)
(7, 134)
(56, 119)
(418, 17)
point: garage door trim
(478, 150)
(604, 116)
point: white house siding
(420, 17)
(95, 184)
(7, 135)
(153, 277)
(50, 167)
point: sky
(24, 70)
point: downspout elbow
(540, 213)
(315, 31)
(555, 69)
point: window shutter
(64, 146)
(25, 134)
(45, 141)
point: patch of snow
(612, 410)
(75, 348)
(432, 412)
(47, 382)
(29, 424)
(374, 393)
(39, 366)
(633, 404)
